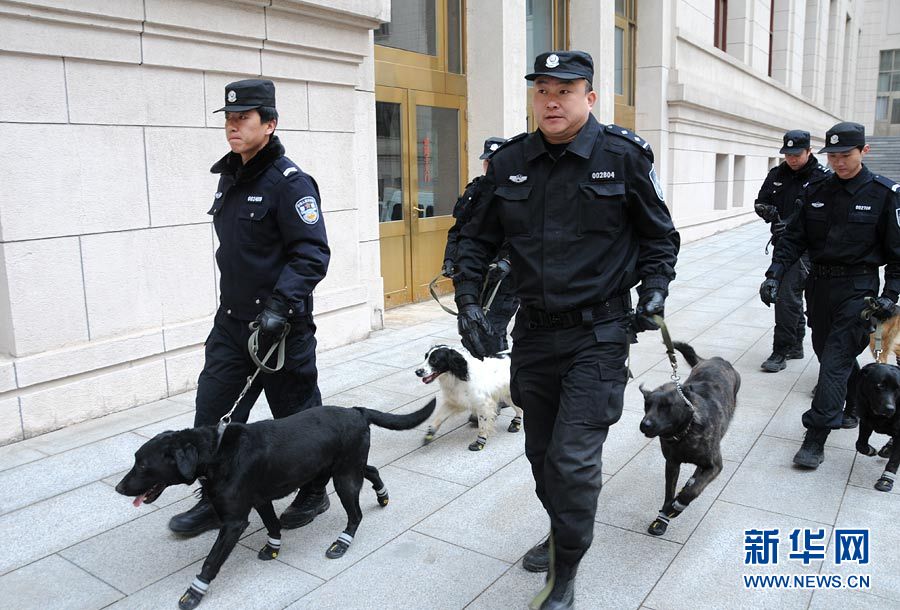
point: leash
(866, 314)
(253, 346)
(486, 307)
(673, 361)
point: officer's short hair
(267, 113)
(588, 87)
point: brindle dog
(690, 427)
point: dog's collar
(683, 432)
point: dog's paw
(866, 449)
(477, 444)
(383, 498)
(884, 484)
(429, 436)
(658, 527)
(337, 549)
(190, 600)
(267, 553)
(885, 451)
(515, 425)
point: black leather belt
(538, 318)
(824, 271)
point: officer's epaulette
(515, 138)
(286, 167)
(824, 169)
(887, 182)
(629, 135)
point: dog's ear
(458, 365)
(186, 461)
(644, 391)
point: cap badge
(494, 146)
(817, 204)
(518, 178)
(834, 139)
(232, 97)
(552, 60)
(790, 143)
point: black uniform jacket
(462, 212)
(845, 223)
(272, 241)
(782, 186)
(581, 229)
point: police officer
(776, 204)
(850, 224)
(504, 303)
(272, 252)
(581, 207)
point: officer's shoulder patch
(627, 134)
(307, 209)
(887, 183)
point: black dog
(690, 434)
(260, 462)
(877, 397)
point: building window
(721, 24)
(413, 27)
(881, 108)
(887, 102)
(895, 112)
(545, 27)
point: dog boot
(537, 559)
(304, 508)
(849, 418)
(795, 353)
(812, 452)
(195, 521)
(774, 363)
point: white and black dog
(468, 384)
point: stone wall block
(295, 29)
(187, 333)
(331, 107)
(183, 370)
(59, 39)
(40, 92)
(200, 54)
(316, 154)
(72, 179)
(211, 16)
(10, 421)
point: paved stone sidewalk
(459, 522)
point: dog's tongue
(139, 500)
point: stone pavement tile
(54, 583)
(171, 495)
(733, 335)
(846, 599)
(731, 354)
(632, 498)
(787, 424)
(412, 498)
(407, 356)
(342, 377)
(78, 435)
(624, 441)
(346, 353)
(144, 549)
(371, 397)
(652, 379)
(867, 470)
(746, 425)
(449, 458)
(17, 454)
(707, 572)
(405, 334)
(747, 316)
(717, 306)
(179, 422)
(768, 480)
(405, 382)
(244, 582)
(877, 511)
(46, 527)
(389, 445)
(500, 517)
(687, 324)
(189, 398)
(56, 474)
(412, 572)
(617, 572)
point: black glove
(474, 329)
(273, 318)
(767, 212)
(498, 271)
(651, 302)
(768, 291)
(447, 269)
(883, 307)
(779, 228)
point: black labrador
(690, 435)
(877, 398)
(260, 462)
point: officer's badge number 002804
(308, 210)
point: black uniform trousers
(790, 323)
(839, 335)
(502, 309)
(570, 383)
(293, 389)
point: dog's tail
(688, 352)
(398, 422)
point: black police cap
(795, 142)
(490, 145)
(843, 137)
(248, 94)
(565, 65)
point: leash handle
(435, 296)
(280, 343)
(867, 314)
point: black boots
(812, 452)
(559, 591)
(537, 559)
(776, 362)
(304, 508)
(795, 353)
(195, 521)
(849, 418)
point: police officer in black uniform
(583, 211)
(504, 303)
(850, 224)
(272, 252)
(776, 204)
